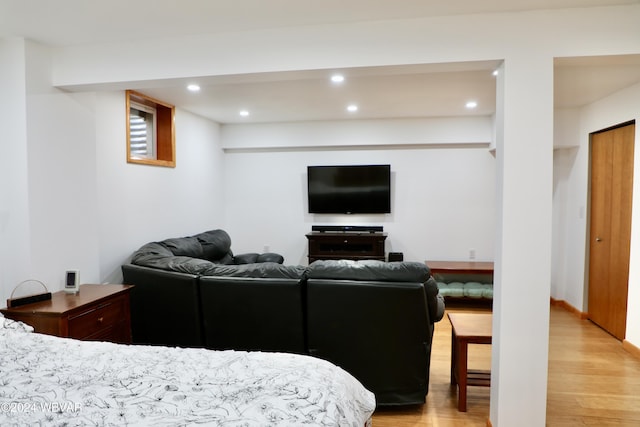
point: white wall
(569, 218)
(70, 199)
(62, 181)
(443, 183)
(562, 282)
(443, 200)
(378, 133)
(139, 203)
(15, 257)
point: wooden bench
(463, 280)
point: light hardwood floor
(593, 381)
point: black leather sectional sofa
(373, 319)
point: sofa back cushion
(406, 271)
(260, 270)
(264, 314)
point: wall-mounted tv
(356, 189)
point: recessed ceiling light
(337, 78)
(244, 113)
(352, 108)
(193, 87)
(471, 104)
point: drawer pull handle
(100, 319)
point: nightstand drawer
(97, 319)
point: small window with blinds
(150, 131)
(142, 124)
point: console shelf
(346, 245)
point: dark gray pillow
(250, 258)
(216, 244)
(270, 257)
(152, 248)
(152, 255)
(184, 246)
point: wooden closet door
(610, 227)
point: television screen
(357, 189)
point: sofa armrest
(439, 313)
(435, 301)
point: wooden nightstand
(97, 312)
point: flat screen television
(356, 189)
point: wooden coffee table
(468, 328)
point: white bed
(48, 380)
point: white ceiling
(82, 21)
(396, 91)
(379, 92)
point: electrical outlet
(472, 253)
(266, 248)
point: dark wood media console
(346, 245)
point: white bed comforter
(45, 380)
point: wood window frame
(165, 150)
